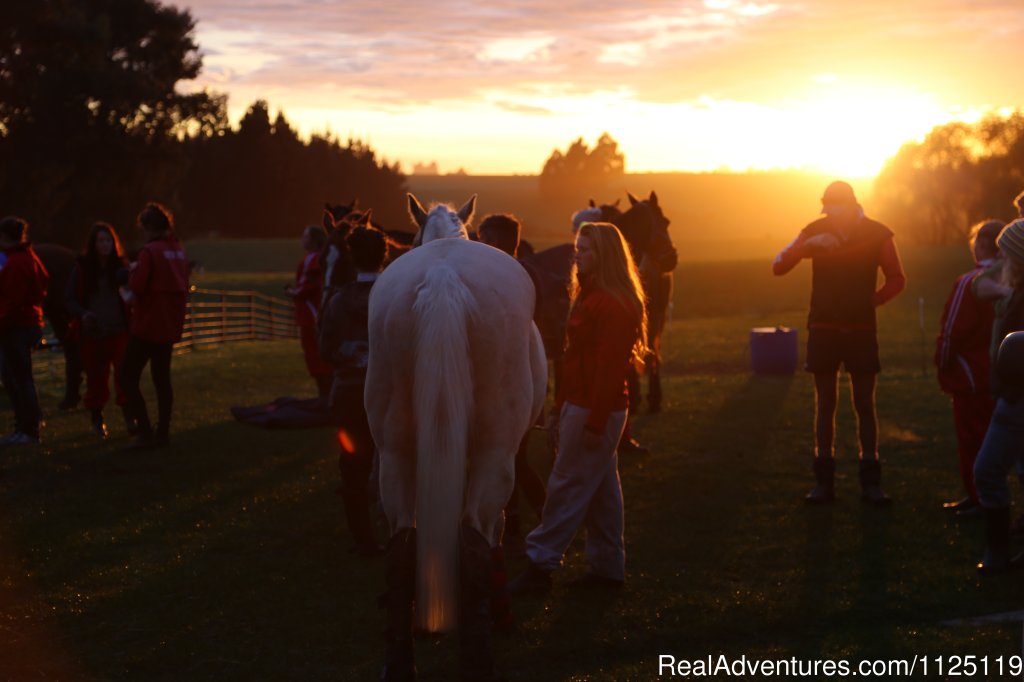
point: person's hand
(552, 428)
(591, 440)
(820, 244)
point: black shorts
(856, 350)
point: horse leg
(399, 654)
(654, 376)
(398, 499)
(489, 487)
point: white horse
(456, 377)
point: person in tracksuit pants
(605, 332)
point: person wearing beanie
(23, 285)
(1002, 447)
(963, 362)
(846, 250)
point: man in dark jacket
(23, 282)
(847, 249)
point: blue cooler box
(773, 350)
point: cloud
(613, 63)
(428, 52)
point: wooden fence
(211, 316)
(219, 316)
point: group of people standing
(125, 316)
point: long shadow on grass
(198, 558)
(687, 524)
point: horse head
(442, 221)
(609, 212)
(335, 257)
(338, 212)
(645, 228)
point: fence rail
(219, 316)
(211, 316)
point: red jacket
(159, 284)
(23, 283)
(601, 333)
(309, 283)
(962, 347)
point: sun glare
(836, 128)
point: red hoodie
(23, 282)
(159, 283)
(601, 333)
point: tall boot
(98, 426)
(871, 483)
(997, 541)
(131, 425)
(475, 562)
(399, 654)
(824, 491)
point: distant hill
(714, 216)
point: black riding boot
(475, 559)
(399, 655)
(824, 491)
(997, 543)
(871, 483)
(98, 426)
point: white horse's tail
(443, 395)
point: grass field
(224, 557)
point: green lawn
(224, 557)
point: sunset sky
(494, 86)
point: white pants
(583, 488)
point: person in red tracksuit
(101, 319)
(606, 330)
(159, 286)
(963, 360)
(306, 294)
(23, 283)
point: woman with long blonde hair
(606, 332)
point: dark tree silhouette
(264, 181)
(581, 169)
(90, 117)
(961, 173)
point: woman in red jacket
(159, 287)
(23, 282)
(306, 294)
(607, 325)
(101, 319)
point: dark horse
(645, 228)
(335, 262)
(59, 261)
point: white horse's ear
(633, 201)
(416, 210)
(466, 212)
(328, 219)
(653, 200)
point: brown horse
(645, 228)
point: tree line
(93, 124)
(933, 191)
